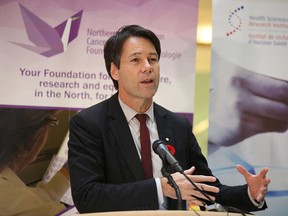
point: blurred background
(203, 57)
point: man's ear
(114, 71)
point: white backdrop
(248, 101)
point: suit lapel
(163, 125)
(124, 139)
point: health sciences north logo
(49, 41)
(235, 21)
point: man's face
(138, 75)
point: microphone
(160, 148)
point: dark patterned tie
(145, 146)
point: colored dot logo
(235, 21)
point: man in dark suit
(104, 146)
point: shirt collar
(130, 113)
(9, 175)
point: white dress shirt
(134, 126)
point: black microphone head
(160, 148)
(155, 145)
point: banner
(52, 52)
(248, 118)
(52, 65)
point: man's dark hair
(113, 46)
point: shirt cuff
(160, 193)
(258, 205)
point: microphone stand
(170, 162)
(165, 173)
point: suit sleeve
(230, 196)
(189, 154)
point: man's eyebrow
(134, 54)
(153, 53)
(139, 53)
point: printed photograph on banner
(34, 175)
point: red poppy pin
(171, 149)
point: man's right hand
(188, 191)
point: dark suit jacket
(105, 170)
